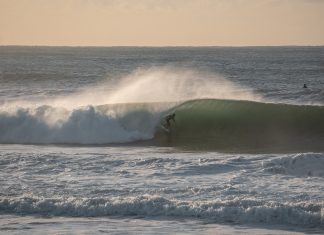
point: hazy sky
(161, 22)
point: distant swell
(236, 210)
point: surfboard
(165, 129)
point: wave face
(245, 125)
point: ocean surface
(85, 148)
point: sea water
(82, 149)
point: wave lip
(235, 210)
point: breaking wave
(204, 123)
(85, 125)
(235, 210)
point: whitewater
(84, 146)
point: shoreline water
(135, 225)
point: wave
(235, 210)
(227, 125)
(86, 125)
(232, 125)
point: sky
(162, 22)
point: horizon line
(163, 46)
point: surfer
(305, 86)
(169, 118)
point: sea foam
(235, 210)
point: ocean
(85, 147)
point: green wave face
(229, 125)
